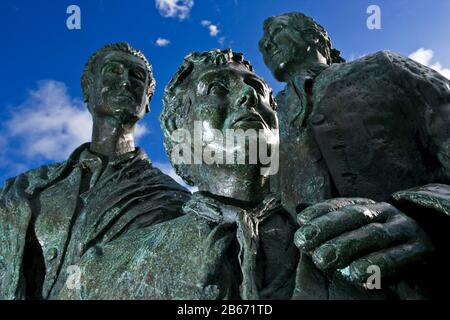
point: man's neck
(111, 138)
(303, 70)
(243, 186)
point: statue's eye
(138, 75)
(259, 87)
(114, 68)
(117, 69)
(217, 89)
(276, 30)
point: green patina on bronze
(68, 214)
(364, 168)
(366, 128)
(254, 233)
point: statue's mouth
(125, 94)
(248, 118)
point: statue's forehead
(226, 72)
(124, 58)
(289, 22)
(281, 20)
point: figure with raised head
(366, 143)
(245, 235)
(56, 217)
(233, 241)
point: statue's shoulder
(378, 63)
(384, 64)
(383, 71)
(396, 62)
(33, 178)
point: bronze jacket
(366, 128)
(374, 128)
(216, 250)
(54, 216)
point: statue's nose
(268, 44)
(248, 98)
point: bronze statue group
(363, 183)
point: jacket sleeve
(15, 215)
(429, 205)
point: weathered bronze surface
(363, 181)
(59, 217)
(366, 129)
(234, 240)
(251, 234)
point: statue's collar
(83, 153)
(247, 231)
(219, 210)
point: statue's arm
(15, 215)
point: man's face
(231, 100)
(282, 45)
(119, 88)
(231, 97)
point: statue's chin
(126, 117)
(125, 111)
(279, 72)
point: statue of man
(55, 216)
(371, 128)
(251, 236)
(234, 240)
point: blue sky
(42, 117)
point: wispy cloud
(174, 8)
(161, 42)
(355, 56)
(213, 29)
(170, 171)
(425, 57)
(47, 126)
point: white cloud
(355, 56)
(205, 23)
(425, 57)
(422, 56)
(48, 125)
(161, 42)
(170, 171)
(213, 29)
(139, 131)
(221, 41)
(174, 8)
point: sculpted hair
(310, 30)
(87, 78)
(176, 100)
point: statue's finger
(387, 262)
(342, 250)
(322, 208)
(334, 223)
